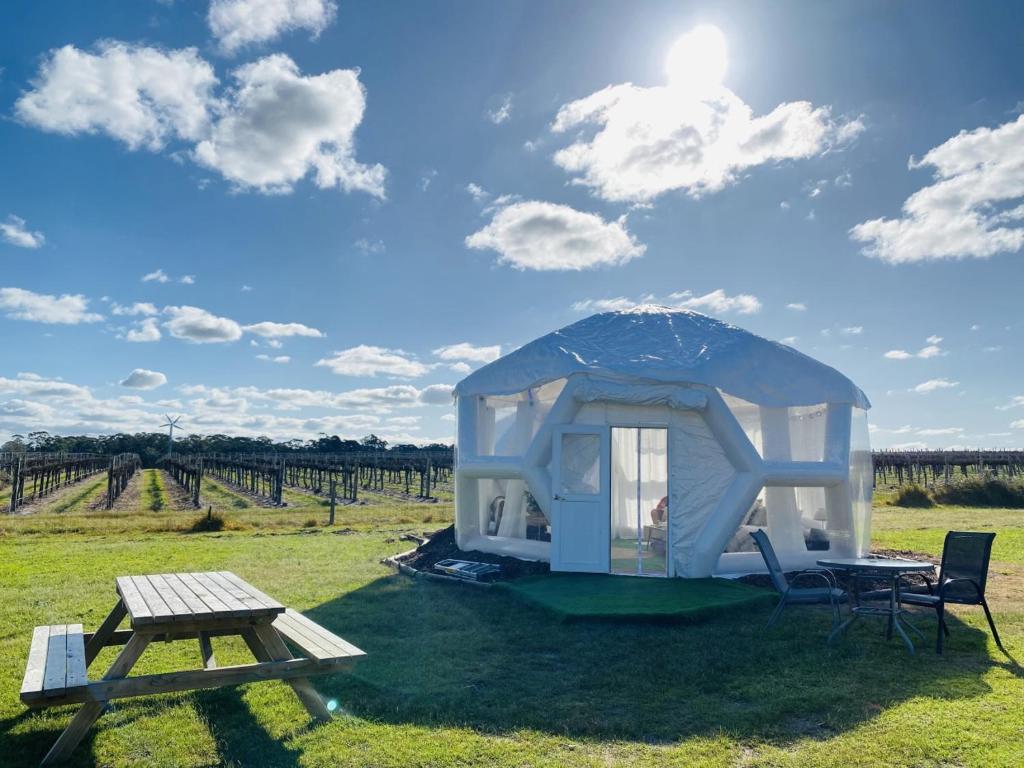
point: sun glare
(697, 60)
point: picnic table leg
(267, 645)
(102, 635)
(209, 661)
(90, 711)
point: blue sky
(345, 207)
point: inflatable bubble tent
(652, 442)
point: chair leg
(941, 630)
(776, 613)
(992, 625)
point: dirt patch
(441, 546)
(129, 499)
(178, 499)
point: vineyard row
(36, 475)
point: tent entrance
(639, 501)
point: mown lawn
(459, 677)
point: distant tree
(15, 445)
(374, 443)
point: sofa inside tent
(652, 442)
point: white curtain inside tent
(639, 476)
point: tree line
(152, 446)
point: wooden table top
(194, 598)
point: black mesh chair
(962, 578)
(828, 594)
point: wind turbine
(170, 424)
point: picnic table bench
(178, 606)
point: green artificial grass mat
(581, 596)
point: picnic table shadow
(454, 655)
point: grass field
(459, 677)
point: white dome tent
(652, 441)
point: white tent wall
(758, 436)
(806, 482)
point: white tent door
(580, 528)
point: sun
(697, 61)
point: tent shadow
(450, 655)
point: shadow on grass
(240, 740)
(445, 654)
(456, 656)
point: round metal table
(879, 568)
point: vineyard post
(14, 485)
(110, 482)
(330, 520)
(197, 483)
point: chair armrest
(920, 575)
(972, 582)
(822, 571)
(814, 574)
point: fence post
(110, 483)
(198, 483)
(15, 478)
(330, 520)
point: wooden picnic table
(170, 607)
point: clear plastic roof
(660, 344)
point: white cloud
(238, 23)
(270, 330)
(31, 402)
(187, 279)
(368, 247)
(845, 179)
(715, 301)
(276, 359)
(467, 351)
(898, 354)
(138, 308)
(934, 384)
(972, 209)
(276, 126)
(67, 309)
(932, 349)
(139, 95)
(797, 306)
(785, 205)
(437, 394)
(852, 330)
(141, 378)
(939, 431)
(502, 112)
(789, 340)
(270, 130)
(366, 360)
(460, 368)
(478, 193)
(1015, 402)
(144, 331)
(545, 236)
(199, 326)
(648, 141)
(16, 233)
(156, 276)
(246, 288)
(1019, 424)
